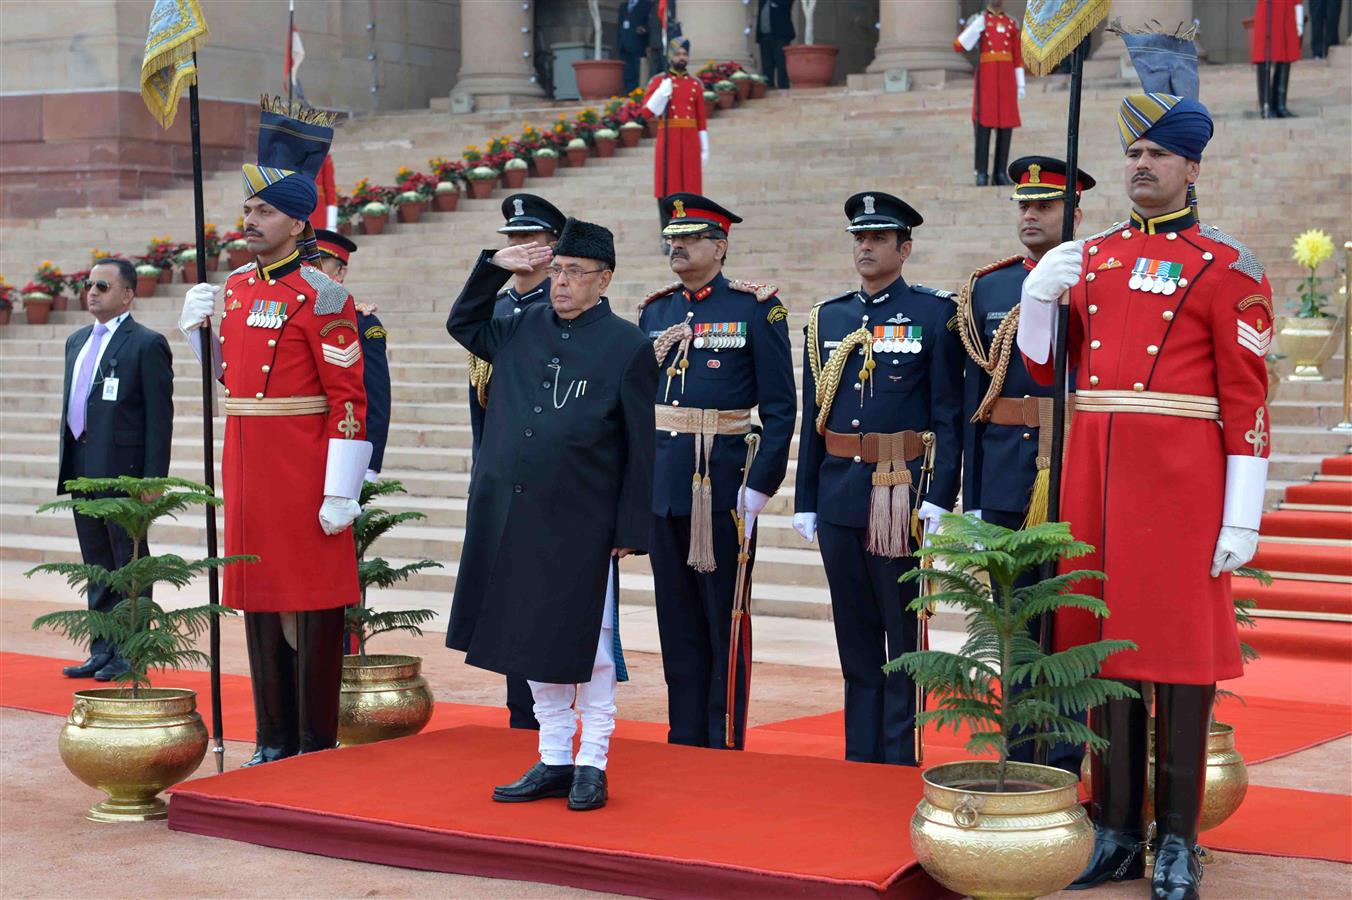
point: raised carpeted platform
(681, 822)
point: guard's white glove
(199, 304)
(703, 149)
(1021, 82)
(929, 513)
(751, 501)
(331, 214)
(657, 103)
(1057, 272)
(371, 475)
(1300, 32)
(337, 513)
(1234, 547)
(806, 525)
(972, 33)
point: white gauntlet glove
(703, 149)
(972, 33)
(806, 525)
(657, 103)
(751, 501)
(1234, 547)
(1021, 82)
(199, 304)
(337, 513)
(1057, 272)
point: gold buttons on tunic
(300, 297)
(1126, 234)
(224, 366)
(227, 392)
(1207, 256)
(1152, 350)
(674, 433)
(1171, 236)
(267, 368)
(1090, 277)
(272, 281)
(1182, 282)
(1093, 250)
(1027, 436)
(675, 403)
(1168, 315)
(272, 343)
(858, 459)
(1138, 387)
(229, 292)
(258, 396)
(1093, 308)
(251, 280)
(1093, 379)
(1095, 344)
(854, 423)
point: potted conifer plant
(384, 695)
(995, 828)
(134, 741)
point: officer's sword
(923, 616)
(740, 601)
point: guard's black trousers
(694, 622)
(872, 627)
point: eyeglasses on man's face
(571, 273)
(100, 286)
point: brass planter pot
(1227, 778)
(1309, 343)
(1001, 845)
(131, 749)
(383, 699)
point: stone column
(497, 68)
(918, 37)
(1135, 14)
(717, 30)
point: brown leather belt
(875, 447)
(1028, 412)
(690, 420)
(276, 406)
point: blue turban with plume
(292, 144)
(1180, 125)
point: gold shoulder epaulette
(763, 292)
(660, 292)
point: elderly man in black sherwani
(565, 470)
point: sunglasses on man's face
(100, 286)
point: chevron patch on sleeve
(1252, 339)
(343, 356)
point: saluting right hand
(199, 304)
(1057, 272)
(523, 258)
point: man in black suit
(632, 37)
(774, 31)
(117, 418)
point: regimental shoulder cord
(679, 336)
(827, 378)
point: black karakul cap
(1044, 178)
(587, 240)
(527, 212)
(688, 214)
(877, 211)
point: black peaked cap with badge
(688, 214)
(587, 240)
(528, 212)
(877, 211)
(1044, 178)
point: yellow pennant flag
(177, 29)
(1052, 29)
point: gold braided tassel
(829, 381)
(889, 510)
(1042, 489)
(701, 557)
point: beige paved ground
(42, 805)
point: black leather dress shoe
(1117, 856)
(1178, 870)
(267, 755)
(114, 668)
(539, 782)
(589, 789)
(982, 179)
(87, 668)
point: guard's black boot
(539, 782)
(1118, 787)
(1182, 723)
(589, 789)
(1264, 90)
(319, 677)
(1001, 167)
(89, 667)
(1281, 80)
(272, 669)
(983, 156)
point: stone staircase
(785, 164)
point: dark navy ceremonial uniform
(751, 367)
(377, 378)
(916, 386)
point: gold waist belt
(277, 406)
(675, 122)
(997, 56)
(1157, 403)
(689, 420)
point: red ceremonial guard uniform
(997, 88)
(1272, 58)
(328, 197)
(681, 135)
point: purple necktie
(79, 395)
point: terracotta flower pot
(239, 257)
(446, 201)
(409, 213)
(166, 276)
(759, 89)
(145, 284)
(4, 316)
(190, 273)
(577, 156)
(213, 263)
(344, 228)
(726, 99)
(481, 188)
(605, 147)
(374, 224)
(650, 127)
(743, 86)
(810, 65)
(545, 165)
(629, 137)
(710, 105)
(38, 308)
(598, 79)
(60, 302)
(513, 178)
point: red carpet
(681, 822)
(1316, 558)
(1337, 465)
(1292, 595)
(1325, 493)
(1298, 523)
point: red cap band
(333, 250)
